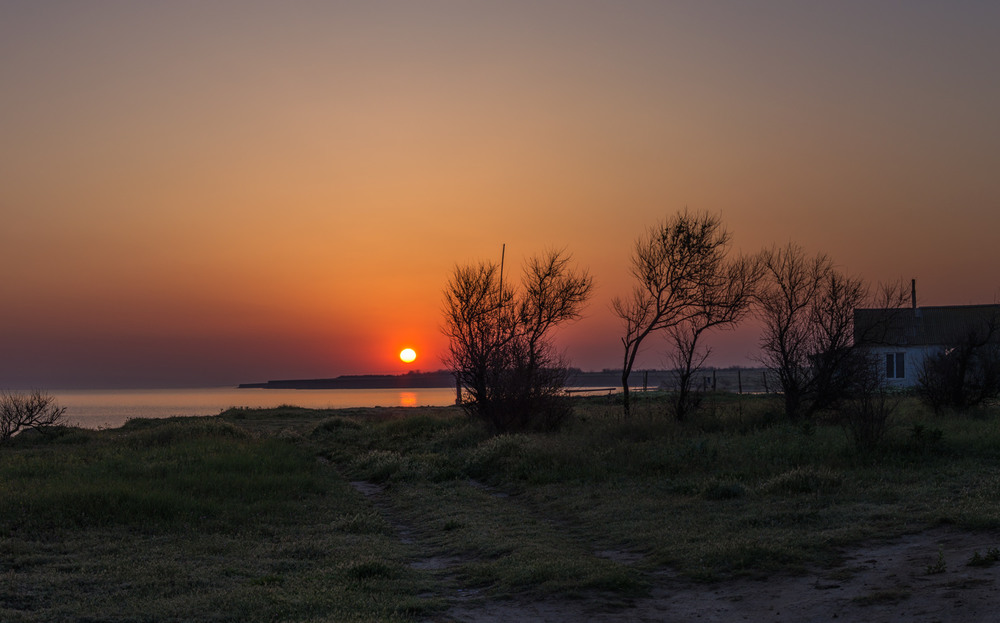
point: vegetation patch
(252, 516)
(801, 480)
(991, 556)
(192, 519)
(888, 596)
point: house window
(895, 365)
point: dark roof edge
(980, 305)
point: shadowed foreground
(417, 514)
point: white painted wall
(915, 356)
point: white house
(903, 338)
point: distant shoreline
(727, 379)
(437, 379)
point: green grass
(734, 491)
(191, 520)
(250, 516)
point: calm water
(111, 408)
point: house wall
(914, 362)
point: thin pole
(503, 251)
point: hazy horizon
(203, 194)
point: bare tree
(720, 302)
(500, 345)
(478, 324)
(672, 263)
(807, 309)
(791, 291)
(36, 410)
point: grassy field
(396, 514)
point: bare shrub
(35, 410)
(966, 373)
(500, 345)
(866, 414)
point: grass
(251, 515)
(193, 519)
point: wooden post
(764, 375)
(458, 390)
(645, 379)
(739, 382)
(713, 379)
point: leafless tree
(807, 308)
(500, 344)
(35, 410)
(681, 287)
(721, 301)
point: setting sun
(407, 355)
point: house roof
(925, 326)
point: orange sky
(208, 193)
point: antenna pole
(503, 251)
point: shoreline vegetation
(420, 514)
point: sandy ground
(921, 578)
(902, 580)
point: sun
(407, 355)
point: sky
(206, 193)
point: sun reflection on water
(407, 399)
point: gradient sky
(205, 193)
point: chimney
(913, 292)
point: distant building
(902, 339)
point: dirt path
(922, 578)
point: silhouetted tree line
(687, 282)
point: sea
(97, 409)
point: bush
(19, 412)
(801, 480)
(963, 376)
(869, 405)
(500, 347)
